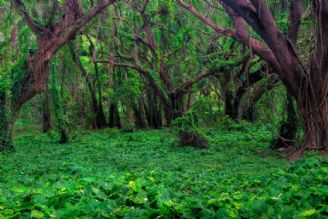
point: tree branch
(240, 35)
(29, 21)
(148, 77)
(295, 17)
(71, 31)
(188, 84)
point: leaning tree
(64, 22)
(307, 82)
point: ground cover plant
(143, 174)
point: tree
(34, 69)
(46, 112)
(243, 78)
(308, 84)
(98, 120)
(155, 55)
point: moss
(19, 74)
(9, 95)
(57, 91)
(5, 136)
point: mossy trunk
(175, 109)
(46, 126)
(229, 105)
(152, 111)
(5, 126)
(99, 117)
(288, 129)
(249, 113)
(139, 115)
(114, 116)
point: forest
(163, 109)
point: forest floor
(143, 174)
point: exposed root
(297, 152)
(192, 139)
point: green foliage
(57, 93)
(114, 174)
(228, 124)
(207, 110)
(186, 127)
(187, 123)
(18, 75)
(129, 89)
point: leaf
(37, 214)
(307, 213)
(152, 179)
(169, 203)
(133, 186)
(19, 189)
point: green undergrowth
(143, 174)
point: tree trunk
(249, 113)
(177, 106)
(100, 118)
(175, 109)
(314, 118)
(139, 119)
(5, 127)
(63, 137)
(152, 111)
(230, 105)
(100, 115)
(288, 129)
(114, 116)
(46, 113)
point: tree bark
(114, 116)
(314, 119)
(288, 129)
(174, 107)
(98, 117)
(139, 117)
(5, 128)
(230, 105)
(152, 110)
(46, 126)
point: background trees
(144, 64)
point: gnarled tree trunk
(314, 118)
